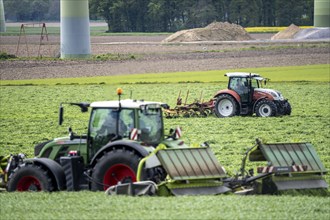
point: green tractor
(120, 134)
(125, 151)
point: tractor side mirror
(83, 106)
(60, 116)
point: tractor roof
(241, 74)
(127, 103)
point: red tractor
(245, 96)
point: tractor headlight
(277, 95)
(274, 94)
(280, 96)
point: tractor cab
(244, 84)
(132, 122)
(128, 119)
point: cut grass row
(316, 73)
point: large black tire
(30, 177)
(287, 109)
(266, 108)
(118, 165)
(225, 106)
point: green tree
(267, 13)
(26, 10)
(39, 9)
(293, 12)
(166, 15)
(102, 8)
(53, 10)
(244, 13)
(202, 13)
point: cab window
(103, 125)
(255, 83)
(151, 126)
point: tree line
(172, 15)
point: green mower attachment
(196, 171)
(293, 166)
(192, 171)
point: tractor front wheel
(266, 108)
(116, 166)
(287, 109)
(225, 106)
(30, 177)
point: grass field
(311, 73)
(29, 116)
(91, 205)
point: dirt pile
(216, 31)
(287, 33)
(296, 33)
(313, 34)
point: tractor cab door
(241, 85)
(150, 125)
(107, 124)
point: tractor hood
(275, 94)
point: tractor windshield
(151, 126)
(103, 126)
(255, 83)
(238, 84)
(258, 82)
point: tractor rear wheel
(266, 108)
(116, 166)
(30, 178)
(225, 106)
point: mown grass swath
(278, 74)
(29, 116)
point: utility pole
(75, 30)
(2, 17)
(321, 13)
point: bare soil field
(152, 56)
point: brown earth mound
(216, 31)
(287, 33)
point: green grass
(90, 205)
(276, 74)
(29, 116)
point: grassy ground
(89, 205)
(310, 73)
(29, 116)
